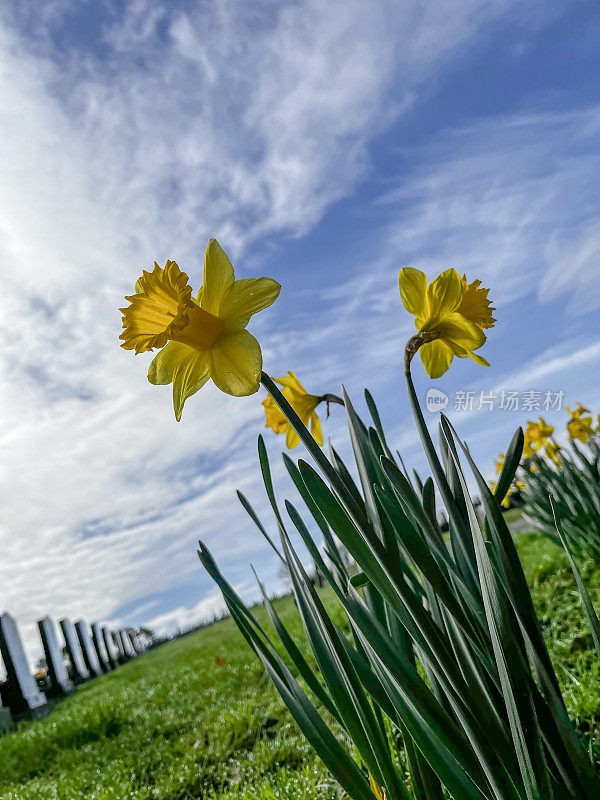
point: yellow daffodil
(202, 337)
(579, 411)
(505, 501)
(580, 427)
(520, 486)
(499, 462)
(449, 313)
(303, 403)
(527, 444)
(552, 450)
(536, 435)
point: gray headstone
(136, 642)
(20, 691)
(80, 672)
(100, 648)
(116, 635)
(128, 644)
(113, 655)
(5, 719)
(87, 648)
(60, 683)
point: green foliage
(574, 487)
(441, 668)
(174, 725)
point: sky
(325, 145)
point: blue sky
(324, 145)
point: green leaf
(586, 602)
(511, 464)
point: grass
(176, 725)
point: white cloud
(184, 617)
(577, 272)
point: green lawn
(176, 725)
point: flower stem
(330, 398)
(430, 452)
(415, 342)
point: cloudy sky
(325, 145)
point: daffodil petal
(236, 363)
(436, 357)
(246, 297)
(290, 381)
(291, 438)
(315, 429)
(444, 294)
(467, 335)
(218, 277)
(483, 362)
(413, 291)
(187, 369)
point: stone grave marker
(128, 644)
(20, 692)
(87, 648)
(136, 642)
(116, 635)
(109, 644)
(5, 719)
(60, 683)
(80, 672)
(100, 648)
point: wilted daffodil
(450, 315)
(202, 337)
(303, 403)
(579, 427)
(552, 450)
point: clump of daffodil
(450, 316)
(579, 426)
(201, 337)
(303, 403)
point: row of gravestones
(91, 652)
